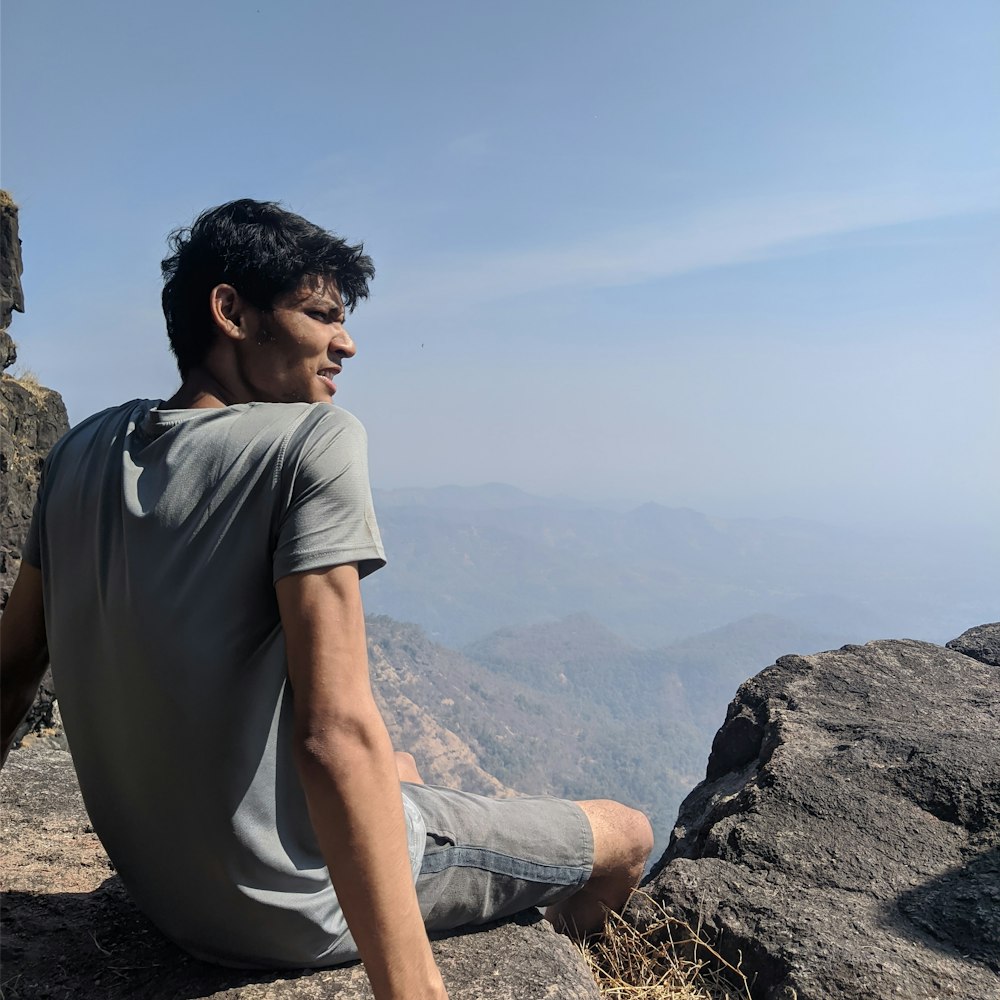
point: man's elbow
(340, 743)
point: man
(192, 572)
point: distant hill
(489, 496)
(404, 670)
(558, 740)
(688, 683)
(464, 562)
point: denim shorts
(488, 858)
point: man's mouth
(327, 375)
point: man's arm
(24, 652)
(348, 771)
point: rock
(846, 840)
(981, 643)
(32, 418)
(11, 267)
(70, 930)
(8, 350)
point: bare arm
(348, 771)
(24, 652)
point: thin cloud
(735, 233)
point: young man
(192, 572)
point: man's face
(292, 352)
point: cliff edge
(846, 839)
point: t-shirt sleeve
(328, 517)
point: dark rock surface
(846, 840)
(70, 931)
(981, 643)
(11, 266)
(32, 418)
(8, 350)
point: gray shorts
(488, 858)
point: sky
(741, 257)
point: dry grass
(669, 960)
(28, 380)
(6, 200)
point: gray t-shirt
(160, 535)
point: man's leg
(623, 840)
(621, 837)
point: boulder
(70, 930)
(8, 350)
(846, 839)
(32, 418)
(981, 643)
(11, 266)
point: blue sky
(737, 256)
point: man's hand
(348, 771)
(24, 652)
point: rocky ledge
(70, 931)
(846, 840)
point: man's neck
(199, 391)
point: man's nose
(343, 344)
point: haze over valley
(551, 646)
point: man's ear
(227, 308)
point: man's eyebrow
(324, 301)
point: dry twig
(669, 960)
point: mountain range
(467, 561)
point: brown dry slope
(442, 756)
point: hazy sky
(741, 256)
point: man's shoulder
(323, 414)
(300, 425)
(122, 411)
(108, 420)
(321, 420)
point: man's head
(265, 253)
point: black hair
(260, 249)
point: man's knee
(639, 833)
(406, 768)
(623, 838)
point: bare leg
(623, 839)
(407, 768)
